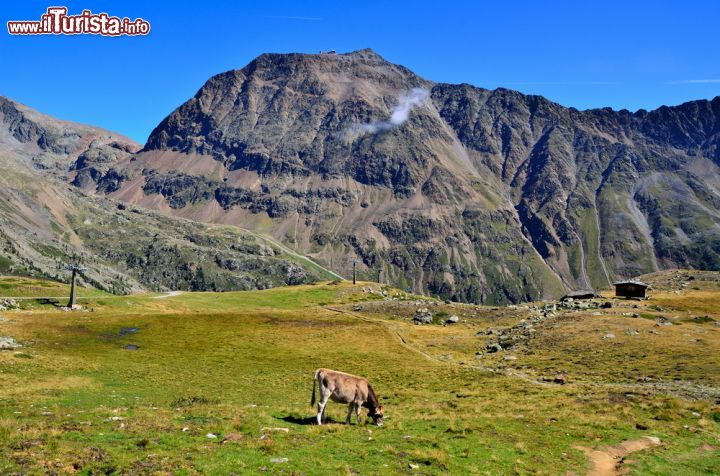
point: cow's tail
(315, 377)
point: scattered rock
(8, 305)
(493, 348)
(631, 332)
(8, 343)
(609, 336)
(559, 379)
(233, 437)
(641, 426)
(279, 460)
(453, 319)
(606, 305)
(413, 466)
(211, 436)
(274, 429)
(422, 316)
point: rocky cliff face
(45, 224)
(471, 194)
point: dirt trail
(393, 331)
(291, 252)
(609, 461)
(168, 294)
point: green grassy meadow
(220, 383)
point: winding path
(168, 294)
(609, 461)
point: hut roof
(632, 281)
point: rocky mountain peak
(468, 193)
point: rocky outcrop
(61, 147)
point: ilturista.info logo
(56, 21)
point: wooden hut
(631, 289)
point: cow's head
(377, 415)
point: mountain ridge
(473, 194)
(47, 221)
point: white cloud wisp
(398, 115)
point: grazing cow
(345, 388)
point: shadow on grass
(308, 420)
(49, 302)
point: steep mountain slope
(280, 146)
(44, 223)
(601, 193)
(486, 196)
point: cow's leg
(324, 397)
(351, 409)
(358, 407)
(321, 410)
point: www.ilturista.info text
(57, 22)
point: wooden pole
(72, 289)
(354, 263)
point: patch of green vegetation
(590, 239)
(575, 260)
(699, 319)
(17, 286)
(6, 264)
(216, 378)
(49, 251)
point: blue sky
(584, 54)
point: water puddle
(128, 330)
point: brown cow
(345, 388)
